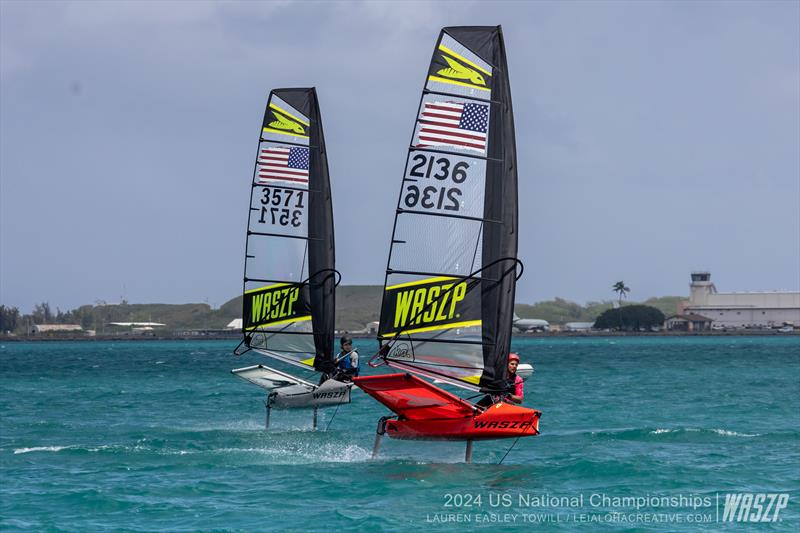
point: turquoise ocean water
(636, 433)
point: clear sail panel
(276, 258)
(455, 353)
(435, 244)
(293, 342)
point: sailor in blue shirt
(346, 360)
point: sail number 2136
(282, 206)
(435, 181)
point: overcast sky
(653, 138)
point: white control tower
(701, 288)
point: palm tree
(620, 288)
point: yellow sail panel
(430, 304)
(280, 322)
(467, 324)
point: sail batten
(451, 271)
(445, 152)
(423, 213)
(285, 187)
(493, 102)
(282, 235)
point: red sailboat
(448, 301)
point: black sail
(500, 239)
(290, 278)
(449, 292)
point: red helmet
(513, 357)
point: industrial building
(741, 309)
(49, 329)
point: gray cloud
(654, 138)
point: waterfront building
(578, 326)
(49, 329)
(741, 309)
(690, 322)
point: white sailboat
(289, 275)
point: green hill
(560, 311)
(356, 306)
(666, 304)
(175, 316)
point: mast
(448, 298)
(290, 277)
(321, 256)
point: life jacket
(347, 363)
(511, 383)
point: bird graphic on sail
(457, 70)
(460, 72)
(283, 123)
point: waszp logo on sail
(426, 305)
(752, 506)
(274, 304)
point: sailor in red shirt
(514, 384)
(513, 391)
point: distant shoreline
(238, 336)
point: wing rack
(426, 412)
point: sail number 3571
(281, 206)
(437, 195)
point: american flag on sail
(454, 124)
(277, 163)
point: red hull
(426, 412)
(500, 421)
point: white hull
(330, 393)
(288, 392)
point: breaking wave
(41, 449)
